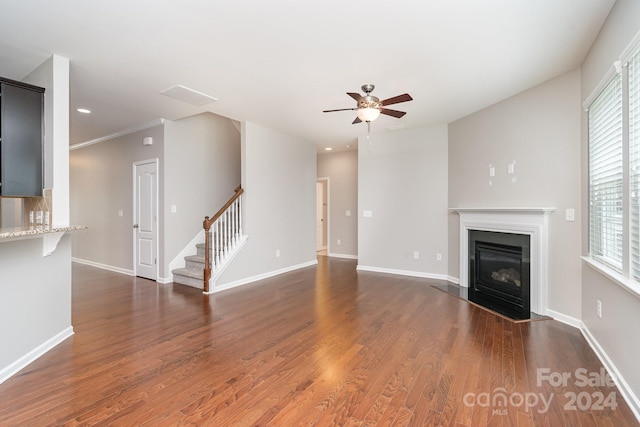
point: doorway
(145, 219)
(322, 215)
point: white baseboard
(561, 317)
(626, 391)
(453, 280)
(165, 280)
(103, 266)
(30, 357)
(346, 256)
(247, 280)
(404, 272)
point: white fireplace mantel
(531, 221)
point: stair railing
(226, 225)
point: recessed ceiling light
(328, 149)
(84, 111)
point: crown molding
(123, 132)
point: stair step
(193, 277)
(200, 249)
(194, 261)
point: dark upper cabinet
(21, 139)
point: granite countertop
(36, 230)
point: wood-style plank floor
(318, 346)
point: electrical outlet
(438, 257)
(339, 242)
(416, 255)
(599, 308)
(277, 253)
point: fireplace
(532, 222)
(499, 272)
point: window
(634, 162)
(614, 171)
(605, 175)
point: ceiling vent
(190, 96)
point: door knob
(135, 225)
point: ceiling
(280, 63)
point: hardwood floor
(324, 346)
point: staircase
(193, 272)
(223, 239)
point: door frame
(326, 182)
(155, 161)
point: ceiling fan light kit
(368, 114)
(370, 107)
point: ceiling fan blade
(339, 109)
(356, 121)
(355, 96)
(394, 113)
(397, 99)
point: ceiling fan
(369, 107)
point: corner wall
(538, 130)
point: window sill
(630, 285)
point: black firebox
(499, 272)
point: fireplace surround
(530, 222)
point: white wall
(402, 179)
(616, 333)
(539, 130)
(279, 178)
(342, 170)
(35, 291)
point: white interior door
(146, 219)
(319, 216)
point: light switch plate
(367, 214)
(570, 214)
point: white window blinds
(634, 163)
(605, 176)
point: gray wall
(101, 184)
(35, 290)
(202, 168)
(199, 167)
(279, 177)
(35, 296)
(402, 179)
(539, 130)
(616, 332)
(342, 170)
